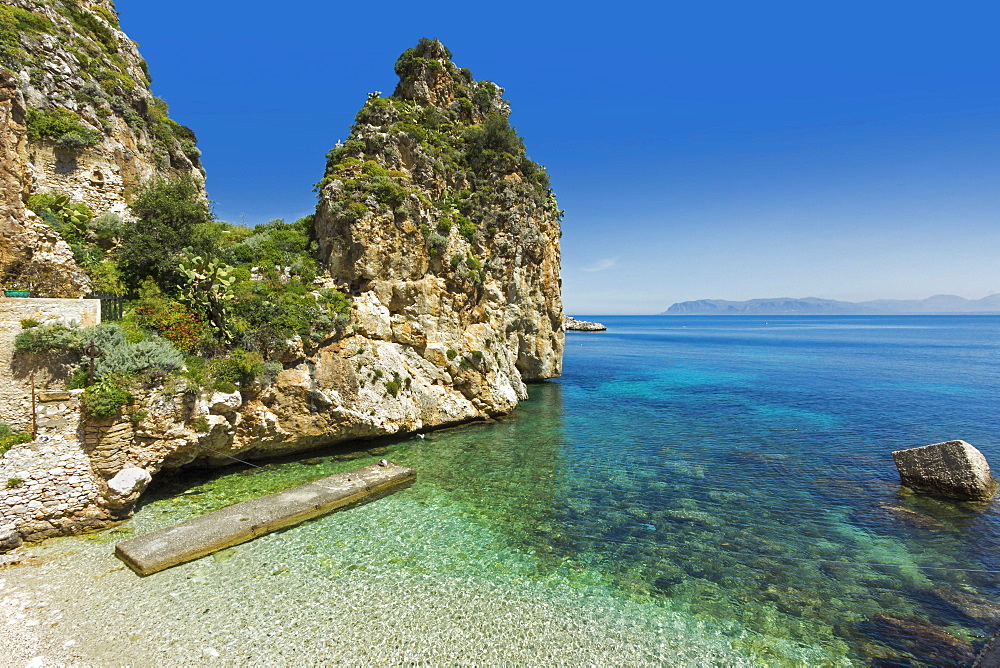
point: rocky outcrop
(954, 469)
(572, 324)
(447, 237)
(77, 118)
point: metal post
(92, 351)
(34, 410)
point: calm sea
(693, 491)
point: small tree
(167, 214)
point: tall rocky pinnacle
(80, 121)
(434, 217)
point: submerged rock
(917, 639)
(572, 324)
(954, 469)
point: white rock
(222, 402)
(129, 481)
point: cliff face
(432, 209)
(83, 123)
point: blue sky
(701, 150)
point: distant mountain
(815, 306)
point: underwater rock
(989, 655)
(920, 640)
(954, 469)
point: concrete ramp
(244, 521)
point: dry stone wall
(15, 372)
(48, 487)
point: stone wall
(15, 374)
(48, 487)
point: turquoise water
(715, 491)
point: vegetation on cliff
(439, 150)
(79, 121)
(213, 302)
(90, 38)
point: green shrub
(167, 215)
(487, 144)
(75, 141)
(105, 398)
(28, 323)
(393, 386)
(107, 227)
(436, 243)
(154, 354)
(452, 354)
(105, 277)
(46, 338)
(10, 437)
(106, 336)
(57, 124)
(271, 371)
(466, 228)
(238, 368)
(14, 482)
(200, 424)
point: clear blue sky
(726, 150)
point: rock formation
(572, 324)
(954, 469)
(445, 235)
(77, 118)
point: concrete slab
(244, 521)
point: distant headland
(938, 304)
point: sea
(693, 491)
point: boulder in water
(954, 469)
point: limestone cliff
(447, 236)
(80, 121)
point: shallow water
(692, 491)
